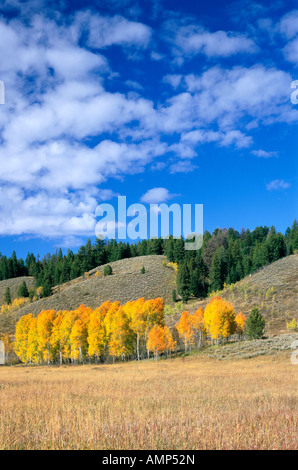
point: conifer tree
(7, 296)
(23, 291)
(255, 325)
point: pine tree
(255, 325)
(179, 251)
(183, 282)
(7, 296)
(23, 291)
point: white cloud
(233, 137)
(174, 80)
(157, 196)
(191, 39)
(291, 51)
(107, 31)
(183, 166)
(277, 185)
(226, 96)
(264, 154)
(218, 44)
(62, 134)
(289, 24)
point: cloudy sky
(158, 100)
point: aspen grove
(135, 330)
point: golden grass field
(192, 403)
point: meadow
(184, 403)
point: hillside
(273, 289)
(126, 283)
(13, 285)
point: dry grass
(191, 403)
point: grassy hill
(126, 283)
(273, 289)
(13, 285)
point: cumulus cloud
(64, 133)
(276, 185)
(182, 166)
(157, 196)
(107, 31)
(289, 24)
(264, 154)
(291, 51)
(187, 40)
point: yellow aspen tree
(97, 337)
(138, 321)
(109, 318)
(8, 346)
(198, 325)
(55, 339)
(32, 349)
(78, 340)
(121, 340)
(44, 330)
(240, 324)
(154, 310)
(69, 318)
(21, 337)
(219, 318)
(170, 344)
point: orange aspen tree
(198, 325)
(185, 329)
(156, 340)
(170, 344)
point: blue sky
(157, 100)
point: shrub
(293, 325)
(174, 296)
(143, 270)
(107, 270)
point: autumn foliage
(83, 335)
(135, 330)
(218, 322)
